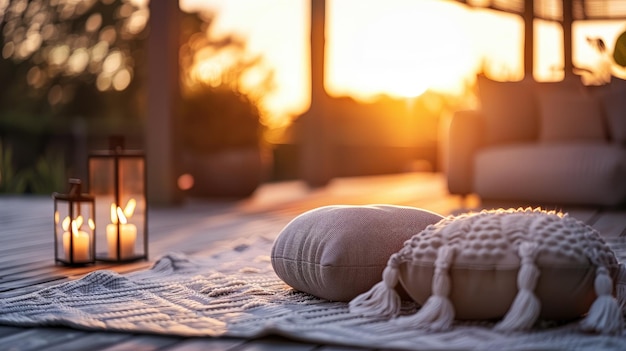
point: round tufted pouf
(515, 265)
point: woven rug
(234, 292)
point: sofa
(541, 143)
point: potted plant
(220, 128)
(221, 137)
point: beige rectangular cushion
(590, 173)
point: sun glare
(395, 47)
(402, 48)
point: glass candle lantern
(74, 226)
(117, 179)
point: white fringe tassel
(526, 307)
(382, 299)
(437, 313)
(621, 288)
(605, 315)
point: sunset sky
(397, 47)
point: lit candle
(80, 240)
(127, 232)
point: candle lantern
(117, 179)
(74, 226)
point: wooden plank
(203, 344)
(39, 338)
(144, 343)
(276, 343)
(339, 348)
(6, 330)
(92, 341)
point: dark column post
(568, 20)
(163, 96)
(315, 153)
(529, 38)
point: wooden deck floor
(27, 257)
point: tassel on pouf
(526, 307)
(437, 313)
(382, 299)
(605, 315)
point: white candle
(127, 232)
(80, 245)
(128, 236)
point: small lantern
(117, 179)
(74, 226)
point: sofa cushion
(614, 100)
(509, 110)
(570, 114)
(586, 173)
(338, 252)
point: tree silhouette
(219, 111)
(67, 58)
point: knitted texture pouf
(517, 266)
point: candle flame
(130, 208)
(120, 215)
(66, 223)
(74, 228)
(76, 224)
(79, 221)
(56, 217)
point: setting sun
(400, 49)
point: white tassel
(526, 307)
(604, 316)
(382, 299)
(437, 313)
(621, 287)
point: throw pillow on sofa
(570, 115)
(338, 252)
(509, 109)
(614, 101)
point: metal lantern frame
(117, 155)
(74, 200)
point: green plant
(619, 52)
(48, 174)
(11, 181)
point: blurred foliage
(68, 58)
(69, 68)
(216, 118)
(78, 68)
(10, 180)
(45, 177)
(222, 86)
(619, 52)
(48, 174)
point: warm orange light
(76, 224)
(117, 214)
(400, 48)
(185, 181)
(397, 47)
(120, 216)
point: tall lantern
(74, 226)
(117, 179)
